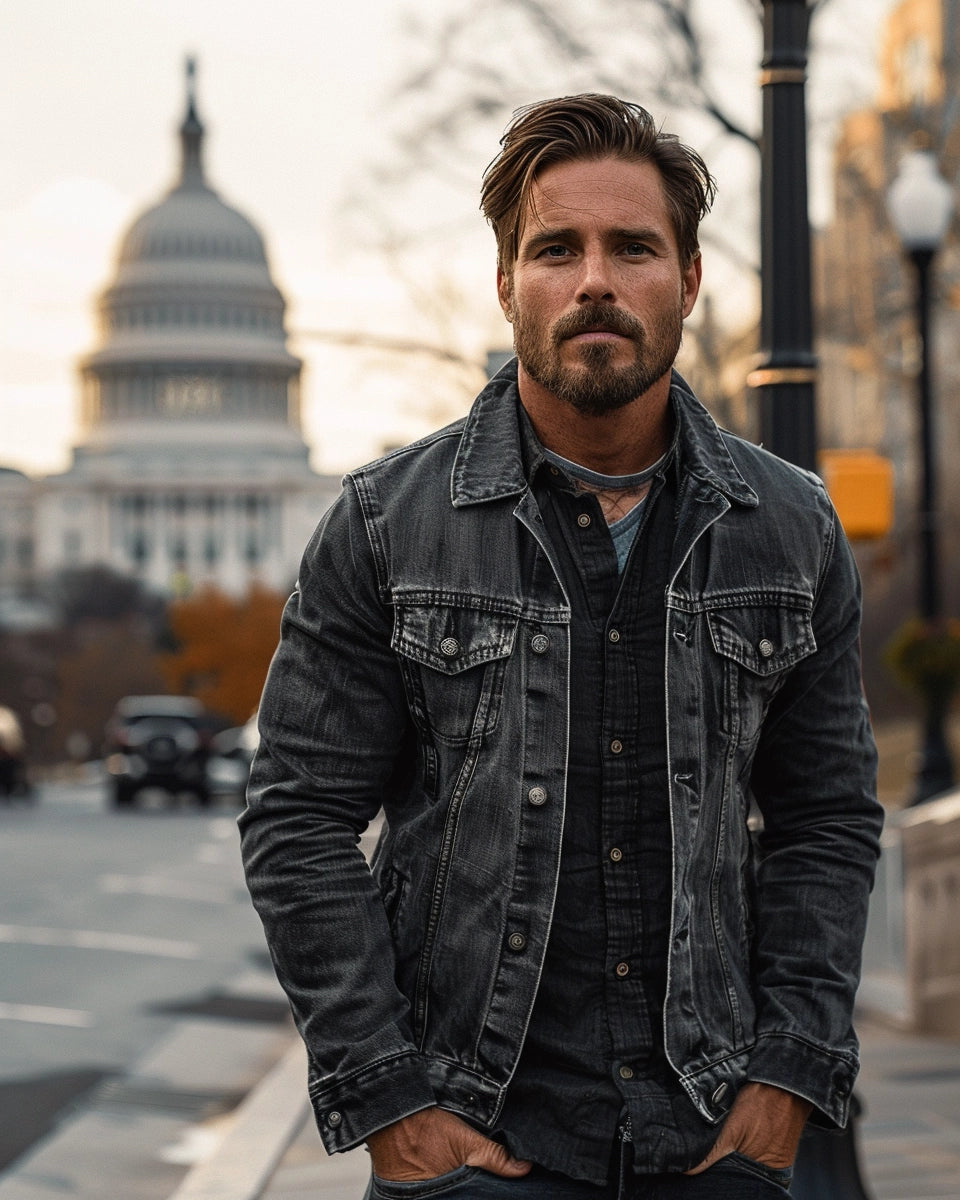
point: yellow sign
(860, 483)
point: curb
(261, 1129)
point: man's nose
(596, 278)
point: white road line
(89, 939)
(168, 889)
(37, 1014)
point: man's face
(597, 296)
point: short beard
(595, 387)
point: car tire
(123, 794)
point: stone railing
(912, 950)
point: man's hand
(765, 1124)
(431, 1143)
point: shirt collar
(499, 452)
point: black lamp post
(920, 203)
(786, 377)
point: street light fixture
(920, 203)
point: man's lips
(593, 335)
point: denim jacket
(423, 670)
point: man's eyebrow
(546, 237)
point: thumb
(491, 1156)
(717, 1151)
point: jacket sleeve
(334, 738)
(814, 780)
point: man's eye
(636, 249)
(555, 251)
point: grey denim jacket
(423, 668)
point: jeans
(732, 1178)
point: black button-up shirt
(593, 1058)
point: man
(564, 645)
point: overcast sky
(292, 94)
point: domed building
(192, 468)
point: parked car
(159, 742)
(13, 766)
(231, 754)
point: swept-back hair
(590, 126)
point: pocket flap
(450, 638)
(764, 639)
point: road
(122, 934)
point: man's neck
(621, 442)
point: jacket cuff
(824, 1078)
(357, 1106)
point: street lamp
(920, 203)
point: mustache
(593, 317)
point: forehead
(614, 192)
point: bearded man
(565, 646)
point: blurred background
(241, 252)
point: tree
(223, 648)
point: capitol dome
(192, 350)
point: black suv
(159, 742)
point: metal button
(626, 1072)
(614, 635)
(334, 1119)
(584, 520)
(719, 1094)
(616, 746)
(517, 942)
(450, 647)
(539, 643)
(537, 796)
(616, 854)
(623, 970)
(766, 647)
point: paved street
(126, 935)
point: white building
(191, 468)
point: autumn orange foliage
(224, 648)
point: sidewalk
(909, 1135)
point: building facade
(868, 341)
(191, 469)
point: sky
(295, 97)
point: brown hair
(587, 127)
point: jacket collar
(489, 462)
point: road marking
(168, 889)
(89, 939)
(37, 1014)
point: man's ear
(691, 285)
(505, 292)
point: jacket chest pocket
(454, 659)
(758, 645)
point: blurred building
(867, 340)
(191, 468)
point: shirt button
(539, 643)
(623, 970)
(719, 1094)
(334, 1119)
(616, 854)
(626, 1072)
(517, 942)
(450, 647)
(616, 746)
(537, 796)
(614, 635)
(766, 647)
(584, 520)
